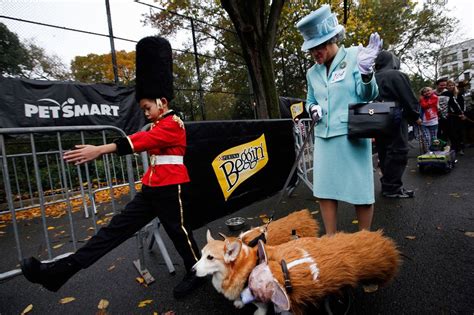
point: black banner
(207, 140)
(34, 103)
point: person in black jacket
(394, 85)
(455, 117)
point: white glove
(366, 56)
(316, 113)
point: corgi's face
(212, 258)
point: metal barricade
(41, 194)
(305, 165)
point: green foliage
(95, 68)
(13, 54)
(28, 60)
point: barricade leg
(140, 262)
(161, 245)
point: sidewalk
(436, 277)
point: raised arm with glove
(366, 56)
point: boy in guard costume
(161, 190)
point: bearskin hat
(154, 69)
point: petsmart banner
(235, 163)
(34, 103)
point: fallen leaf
(99, 222)
(3, 225)
(67, 300)
(249, 218)
(455, 195)
(438, 227)
(103, 304)
(410, 237)
(57, 246)
(51, 228)
(140, 280)
(111, 268)
(144, 303)
(355, 221)
(470, 234)
(315, 212)
(370, 288)
(27, 309)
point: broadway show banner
(35, 103)
(235, 163)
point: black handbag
(370, 120)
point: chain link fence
(68, 29)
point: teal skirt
(343, 170)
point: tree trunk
(256, 24)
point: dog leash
(261, 236)
(292, 171)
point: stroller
(439, 156)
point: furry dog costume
(231, 260)
(317, 267)
(281, 231)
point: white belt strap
(166, 159)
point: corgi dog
(297, 224)
(304, 271)
(231, 260)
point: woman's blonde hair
(424, 89)
(455, 91)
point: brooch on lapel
(342, 65)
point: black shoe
(187, 285)
(402, 193)
(51, 275)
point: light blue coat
(342, 166)
(334, 92)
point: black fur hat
(154, 70)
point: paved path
(437, 275)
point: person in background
(441, 85)
(429, 116)
(160, 195)
(395, 86)
(455, 117)
(343, 168)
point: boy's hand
(82, 153)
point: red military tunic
(165, 141)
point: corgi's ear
(231, 250)
(209, 236)
(279, 297)
(262, 254)
(222, 235)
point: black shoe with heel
(51, 275)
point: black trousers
(456, 132)
(393, 157)
(163, 202)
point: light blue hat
(318, 27)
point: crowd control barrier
(41, 196)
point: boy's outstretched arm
(84, 153)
